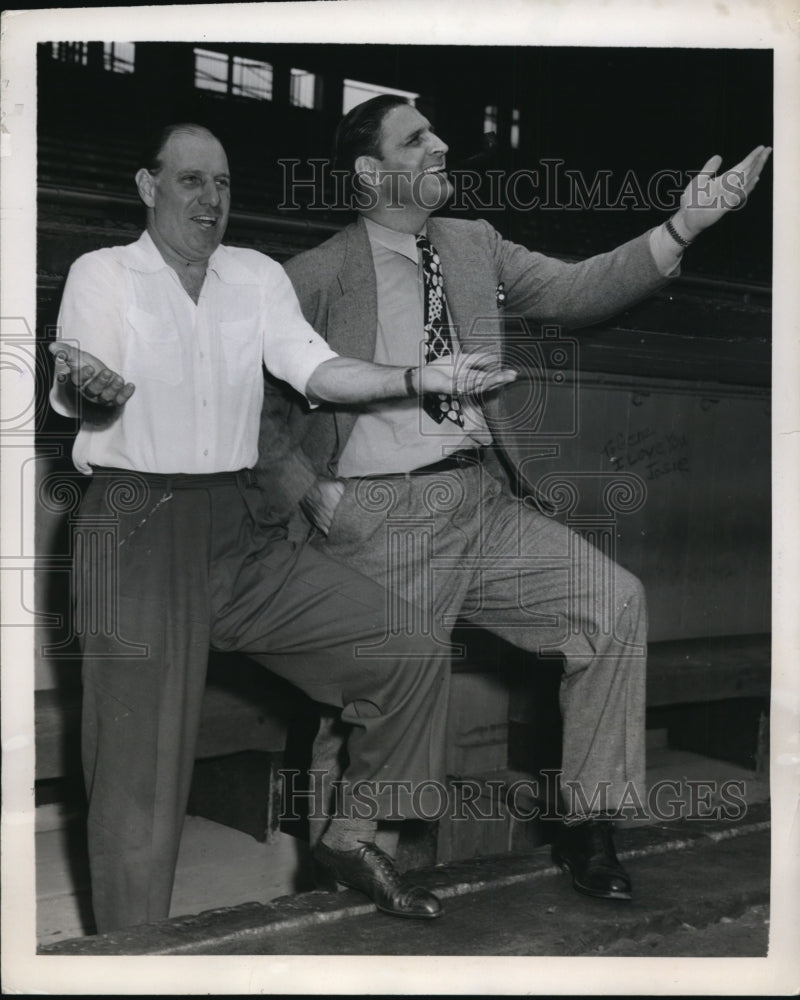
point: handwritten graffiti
(651, 454)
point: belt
(469, 458)
(181, 480)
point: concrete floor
(705, 878)
(222, 867)
(686, 889)
(747, 934)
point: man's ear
(146, 183)
(367, 169)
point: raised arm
(710, 195)
(582, 293)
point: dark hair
(359, 132)
(150, 155)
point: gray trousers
(191, 569)
(457, 544)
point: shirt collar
(402, 243)
(145, 256)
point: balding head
(151, 156)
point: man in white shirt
(388, 287)
(160, 355)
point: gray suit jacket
(336, 286)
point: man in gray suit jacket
(398, 287)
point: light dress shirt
(399, 436)
(197, 368)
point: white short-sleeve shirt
(197, 368)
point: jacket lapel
(353, 315)
(469, 285)
(353, 312)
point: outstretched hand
(93, 380)
(464, 375)
(709, 195)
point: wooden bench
(708, 669)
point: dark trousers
(193, 568)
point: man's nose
(210, 194)
(437, 145)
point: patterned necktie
(437, 333)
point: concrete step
(689, 872)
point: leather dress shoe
(586, 850)
(373, 872)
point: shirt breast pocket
(153, 348)
(241, 349)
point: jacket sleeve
(307, 291)
(283, 471)
(575, 294)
